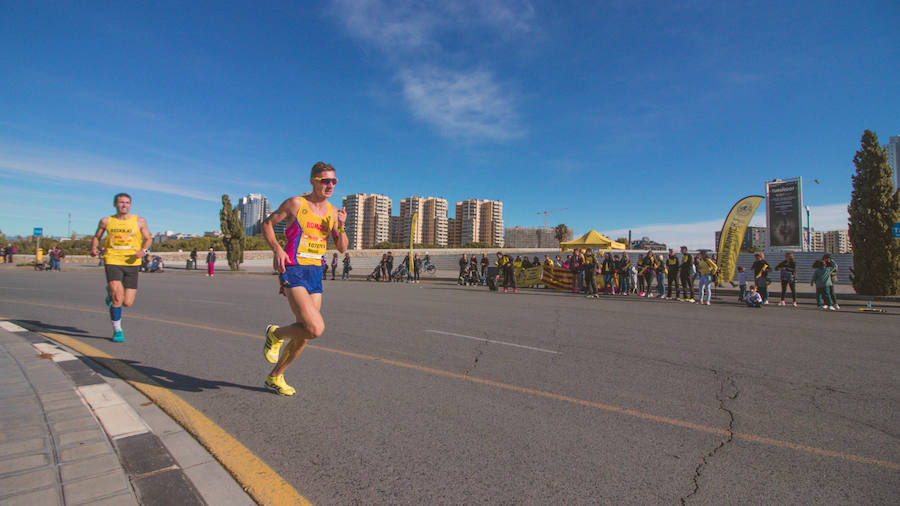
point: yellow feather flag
(732, 235)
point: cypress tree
(232, 234)
(874, 208)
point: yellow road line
(259, 480)
(537, 393)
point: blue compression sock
(115, 313)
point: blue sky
(650, 116)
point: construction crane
(546, 211)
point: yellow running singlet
(123, 239)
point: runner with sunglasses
(312, 220)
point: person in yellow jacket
(707, 269)
(127, 241)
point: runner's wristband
(342, 230)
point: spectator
(661, 276)
(463, 263)
(345, 274)
(389, 266)
(686, 271)
(417, 266)
(211, 263)
(334, 262)
(822, 279)
(8, 252)
(672, 264)
(590, 274)
(324, 268)
(788, 270)
(742, 277)
(761, 276)
(194, 258)
(55, 257)
(753, 299)
(707, 269)
(829, 262)
(626, 279)
(484, 265)
(382, 267)
(608, 269)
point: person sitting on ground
(753, 299)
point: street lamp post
(808, 232)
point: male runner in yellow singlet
(312, 219)
(127, 240)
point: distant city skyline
(654, 117)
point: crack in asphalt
(479, 351)
(728, 391)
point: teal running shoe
(108, 297)
(118, 336)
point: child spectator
(742, 277)
(754, 299)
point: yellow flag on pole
(732, 235)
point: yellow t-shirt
(123, 239)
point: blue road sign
(38, 232)
(896, 230)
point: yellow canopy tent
(592, 239)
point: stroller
(400, 273)
(156, 265)
(376, 274)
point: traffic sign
(38, 232)
(896, 230)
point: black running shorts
(127, 274)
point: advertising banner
(528, 277)
(559, 278)
(784, 213)
(732, 235)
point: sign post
(896, 230)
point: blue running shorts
(307, 276)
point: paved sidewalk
(73, 433)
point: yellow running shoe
(273, 344)
(279, 386)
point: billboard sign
(784, 213)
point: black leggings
(793, 284)
(509, 278)
(687, 284)
(673, 280)
(590, 282)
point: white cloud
(459, 104)
(467, 105)
(702, 234)
(85, 168)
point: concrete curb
(161, 462)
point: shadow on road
(177, 381)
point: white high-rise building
(408, 206)
(893, 154)
(480, 221)
(368, 219)
(355, 205)
(434, 222)
(254, 208)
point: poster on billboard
(784, 216)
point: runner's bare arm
(145, 233)
(287, 210)
(341, 242)
(95, 241)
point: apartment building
(837, 242)
(434, 221)
(480, 221)
(254, 208)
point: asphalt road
(434, 393)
